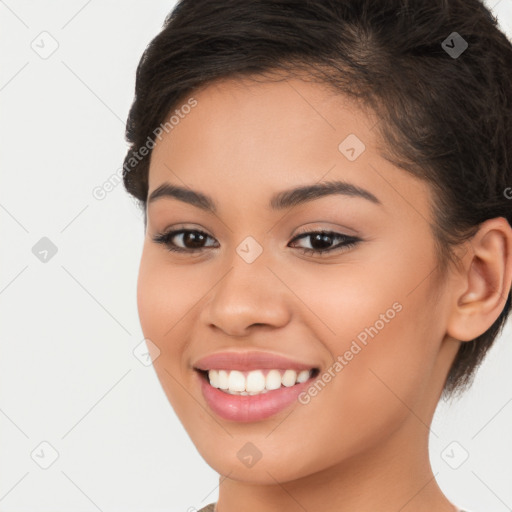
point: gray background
(68, 375)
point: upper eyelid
(176, 231)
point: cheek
(376, 320)
(165, 300)
(380, 386)
(154, 298)
(165, 294)
(377, 298)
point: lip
(249, 360)
(250, 408)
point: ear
(484, 282)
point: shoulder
(211, 508)
(208, 508)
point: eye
(191, 239)
(321, 241)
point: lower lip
(246, 408)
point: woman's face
(370, 316)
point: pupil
(319, 238)
(196, 239)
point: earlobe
(487, 276)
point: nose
(247, 296)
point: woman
(328, 243)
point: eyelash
(348, 241)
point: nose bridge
(248, 281)
(248, 292)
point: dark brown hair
(445, 116)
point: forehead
(291, 109)
(259, 126)
(256, 138)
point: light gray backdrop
(74, 398)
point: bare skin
(362, 442)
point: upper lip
(246, 361)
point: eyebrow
(280, 201)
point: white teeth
(303, 376)
(289, 378)
(236, 381)
(214, 378)
(273, 380)
(223, 379)
(255, 382)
